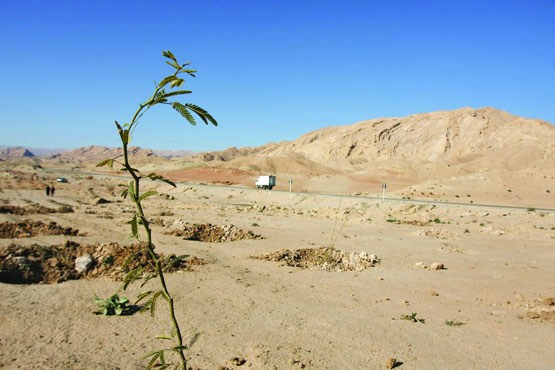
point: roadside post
(384, 186)
(290, 184)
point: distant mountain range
(83, 154)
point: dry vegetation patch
(408, 222)
(57, 263)
(30, 228)
(323, 258)
(214, 233)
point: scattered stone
(238, 361)
(437, 266)
(492, 230)
(102, 201)
(323, 258)
(390, 363)
(83, 263)
(542, 309)
(438, 234)
(21, 261)
(420, 264)
(65, 209)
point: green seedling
(115, 305)
(165, 93)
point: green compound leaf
(142, 296)
(153, 302)
(156, 177)
(167, 80)
(181, 109)
(131, 192)
(204, 115)
(177, 83)
(175, 93)
(131, 277)
(168, 54)
(161, 336)
(155, 355)
(147, 194)
(106, 162)
(134, 227)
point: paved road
(377, 199)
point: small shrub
(454, 323)
(115, 305)
(413, 317)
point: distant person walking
(52, 189)
(47, 190)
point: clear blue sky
(267, 70)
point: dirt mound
(30, 228)
(323, 258)
(213, 233)
(57, 263)
(542, 309)
(34, 209)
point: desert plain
(461, 273)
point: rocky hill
(15, 152)
(485, 136)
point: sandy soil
(488, 308)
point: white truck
(266, 182)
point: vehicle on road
(61, 179)
(266, 182)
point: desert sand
(491, 306)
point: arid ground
(490, 307)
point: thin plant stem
(150, 246)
